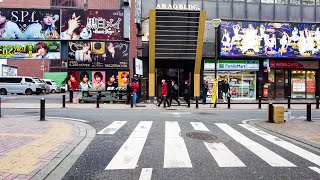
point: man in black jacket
(186, 92)
(174, 92)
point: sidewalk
(298, 129)
(33, 149)
(143, 106)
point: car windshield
(38, 80)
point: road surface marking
(129, 153)
(146, 174)
(223, 156)
(175, 151)
(315, 169)
(284, 144)
(267, 155)
(199, 126)
(113, 127)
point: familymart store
(241, 75)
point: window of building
(252, 1)
(294, 1)
(303, 84)
(267, 1)
(281, 1)
(308, 2)
(68, 3)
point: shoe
(158, 105)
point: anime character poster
(40, 24)
(264, 39)
(123, 78)
(98, 81)
(85, 80)
(112, 79)
(92, 24)
(72, 80)
(30, 50)
(97, 55)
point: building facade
(263, 48)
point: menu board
(298, 85)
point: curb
(61, 164)
(252, 123)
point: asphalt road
(155, 142)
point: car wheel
(53, 91)
(3, 91)
(28, 91)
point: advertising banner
(289, 64)
(97, 55)
(264, 39)
(84, 80)
(40, 24)
(138, 66)
(92, 24)
(30, 50)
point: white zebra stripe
(112, 128)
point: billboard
(92, 24)
(9, 70)
(30, 50)
(39, 24)
(265, 39)
(86, 80)
(138, 66)
(97, 55)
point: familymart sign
(178, 7)
(226, 65)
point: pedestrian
(135, 87)
(164, 93)
(225, 90)
(174, 92)
(186, 92)
(128, 91)
(204, 92)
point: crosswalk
(177, 155)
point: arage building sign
(178, 7)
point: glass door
(280, 83)
(298, 84)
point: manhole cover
(201, 136)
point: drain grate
(201, 136)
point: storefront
(296, 79)
(240, 74)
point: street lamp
(215, 23)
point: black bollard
(131, 101)
(164, 101)
(270, 113)
(71, 96)
(98, 101)
(259, 107)
(197, 102)
(308, 111)
(63, 101)
(229, 102)
(215, 104)
(317, 102)
(289, 101)
(42, 109)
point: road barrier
(308, 112)
(98, 101)
(270, 113)
(259, 106)
(289, 102)
(131, 101)
(197, 102)
(63, 101)
(317, 102)
(42, 109)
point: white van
(53, 87)
(19, 85)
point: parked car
(19, 85)
(53, 87)
(40, 84)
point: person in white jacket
(9, 29)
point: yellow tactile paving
(24, 159)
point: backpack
(176, 87)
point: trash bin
(278, 114)
(287, 116)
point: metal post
(308, 111)
(164, 101)
(270, 113)
(42, 109)
(197, 103)
(228, 102)
(70, 96)
(63, 101)
(317, 102)
(259, 107)
(289, 100)
(131, 101)
(98, 102)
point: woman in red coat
(164, 93)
